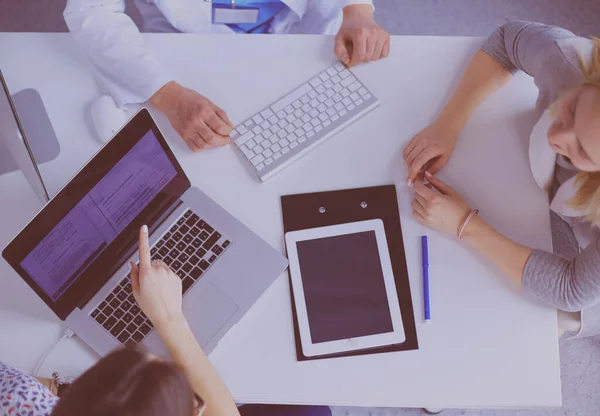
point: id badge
(230, 13)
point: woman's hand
(429, 150)
(438, 206)
(360, 38)
(156, 288)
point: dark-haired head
(128, 382)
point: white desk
(487, 346)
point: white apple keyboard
(291, 127)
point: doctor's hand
(360, 38)
(429, 150)
(438, 206)
(198, 120)
(156, 288)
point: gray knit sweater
(569, 278)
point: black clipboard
(304, 211)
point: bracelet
(464, 224)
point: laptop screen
(110, 206)
(87, 231)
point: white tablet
(344, 288)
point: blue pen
(425, 263)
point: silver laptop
(15, 141)
(75, 252)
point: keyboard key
(109, 323)
(281, 134)
(354, 86)
(174, 253)
(258, 159)
(337, 88)
(187, 267)
(329, 102)
(204, 265)
(332, 71)
(184, 229)
(181, 274)
(363, 91)
(196, 272)
(171, 244)
(276, 148)
(187, 213)
(268, 153)
(315, 122)
(312, 94)
(337, 98)
(186, 283)
(127, 317)
(313, 103)
(244, 138)
(326, 123)
(212, 258)
(217, 250)
(313, 113)
(130, 343)
(122, 295)
(296, 144)
(131, 299)
(328, 84)
(118, 313)
(345, 93)
(343, 113)
(138, 320)
(324, 76)
(339, 66)
(302, 139)
(260, 166)
(310, 134)
(289, 109)
(285, 150)
(320, 89)
(194, 259)
(176, 265)
(203, 235)
(290, 128)
(100, 318)
(188, 238)
(257, 119)
(281, 114)
(183, 257)
(351, 107)
(307, 127)
(211, 241)
(318, 129)
(180, 220)
(135, 310)
(315, 82)
(123, 337)
(366, 97)
(116, 330)
(180, 246)
(266, 113)
(131, 328)
(115, 303)
(145, 328)
(137, 336)
(248, 123)
(359, 101)
(195, 231)
(273, 119)
(306, 108)
(197, 242)
(338, 106)
(334, 117)
(335, 79)
(268, 161)
(168, 260)
(163, 251)
(190, 250)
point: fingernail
(409, 182)
(429, 175)
(130, 265)
(145, 228)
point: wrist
(172, 326)
(358, 10)
(161, 97)
(450, 124)
(473, 229)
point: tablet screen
(344, 287)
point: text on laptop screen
(110, 206)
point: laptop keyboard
(189, 248)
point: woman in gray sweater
(564, 155)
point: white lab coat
(125, 65)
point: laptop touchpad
(207, 311)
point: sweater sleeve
(524, 45)
(565, 279)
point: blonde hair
(587, 197)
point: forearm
(202, 375)
(509, 256)
(483, 77)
